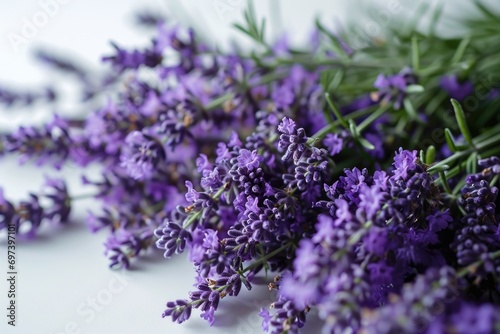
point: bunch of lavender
(282, 161)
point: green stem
(329, 127)
(369, 120)
(458, 155)
(197, 214)
(307, 61)
(471, 267)
(218, 101)
(83, 196)
(266, 257)
(445, 182)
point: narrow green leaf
(337, 79)
(449, 140)
(243, 30)
(251, 12)
(471, 164)
(486, 11)
(435, 19)
(430, 155)
(325, 78)
(336, 111)
(322, 28)
(353, 129)
(262, 30)
(421, 155)
(439, 168)
(462, 123)
(372, 117)
(415, 54)
(419, 13)
(366, 144)
(336, 45)
(460, 50)
(410, 109)
(494, 180)
(444, 180)
(216, 103)
(413, 89)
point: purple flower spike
(249, 159)
(333, 143)
(404, 162)
(291, 139)
(141, 155)
(51, 143)
(57, 192)
(172, 238)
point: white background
(64, 268)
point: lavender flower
(172, 238)
(57, 192)
(11, 98)
(28, 215)
(334, 143)
(477, 233)
(413, 310)
(393, 88)
(142, 155)
(292, 140)
(455, 89)
(124, 59)
(207, 152)
(50, 143)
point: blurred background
(60, 273)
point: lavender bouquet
(360, 181)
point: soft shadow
(154, 257)
(49, 233)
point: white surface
(64, 269)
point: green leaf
(449, 140)
(435, 19)
(353, 129)
(439, 168)
(373, 116)
(460, 50)
(418, 14)
(430, 155)
(336, 111)
(325, 79)
(410, 109)
(216, 103)
(486, 11)
(242, 29)
(415, 53)
(253, 29)
(444, 180)
(336, 44)
(366, 144)
(462, 123)
(262, 30)
(413, 89)
(471, 163)
(337, 79)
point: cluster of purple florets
(239, 162)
